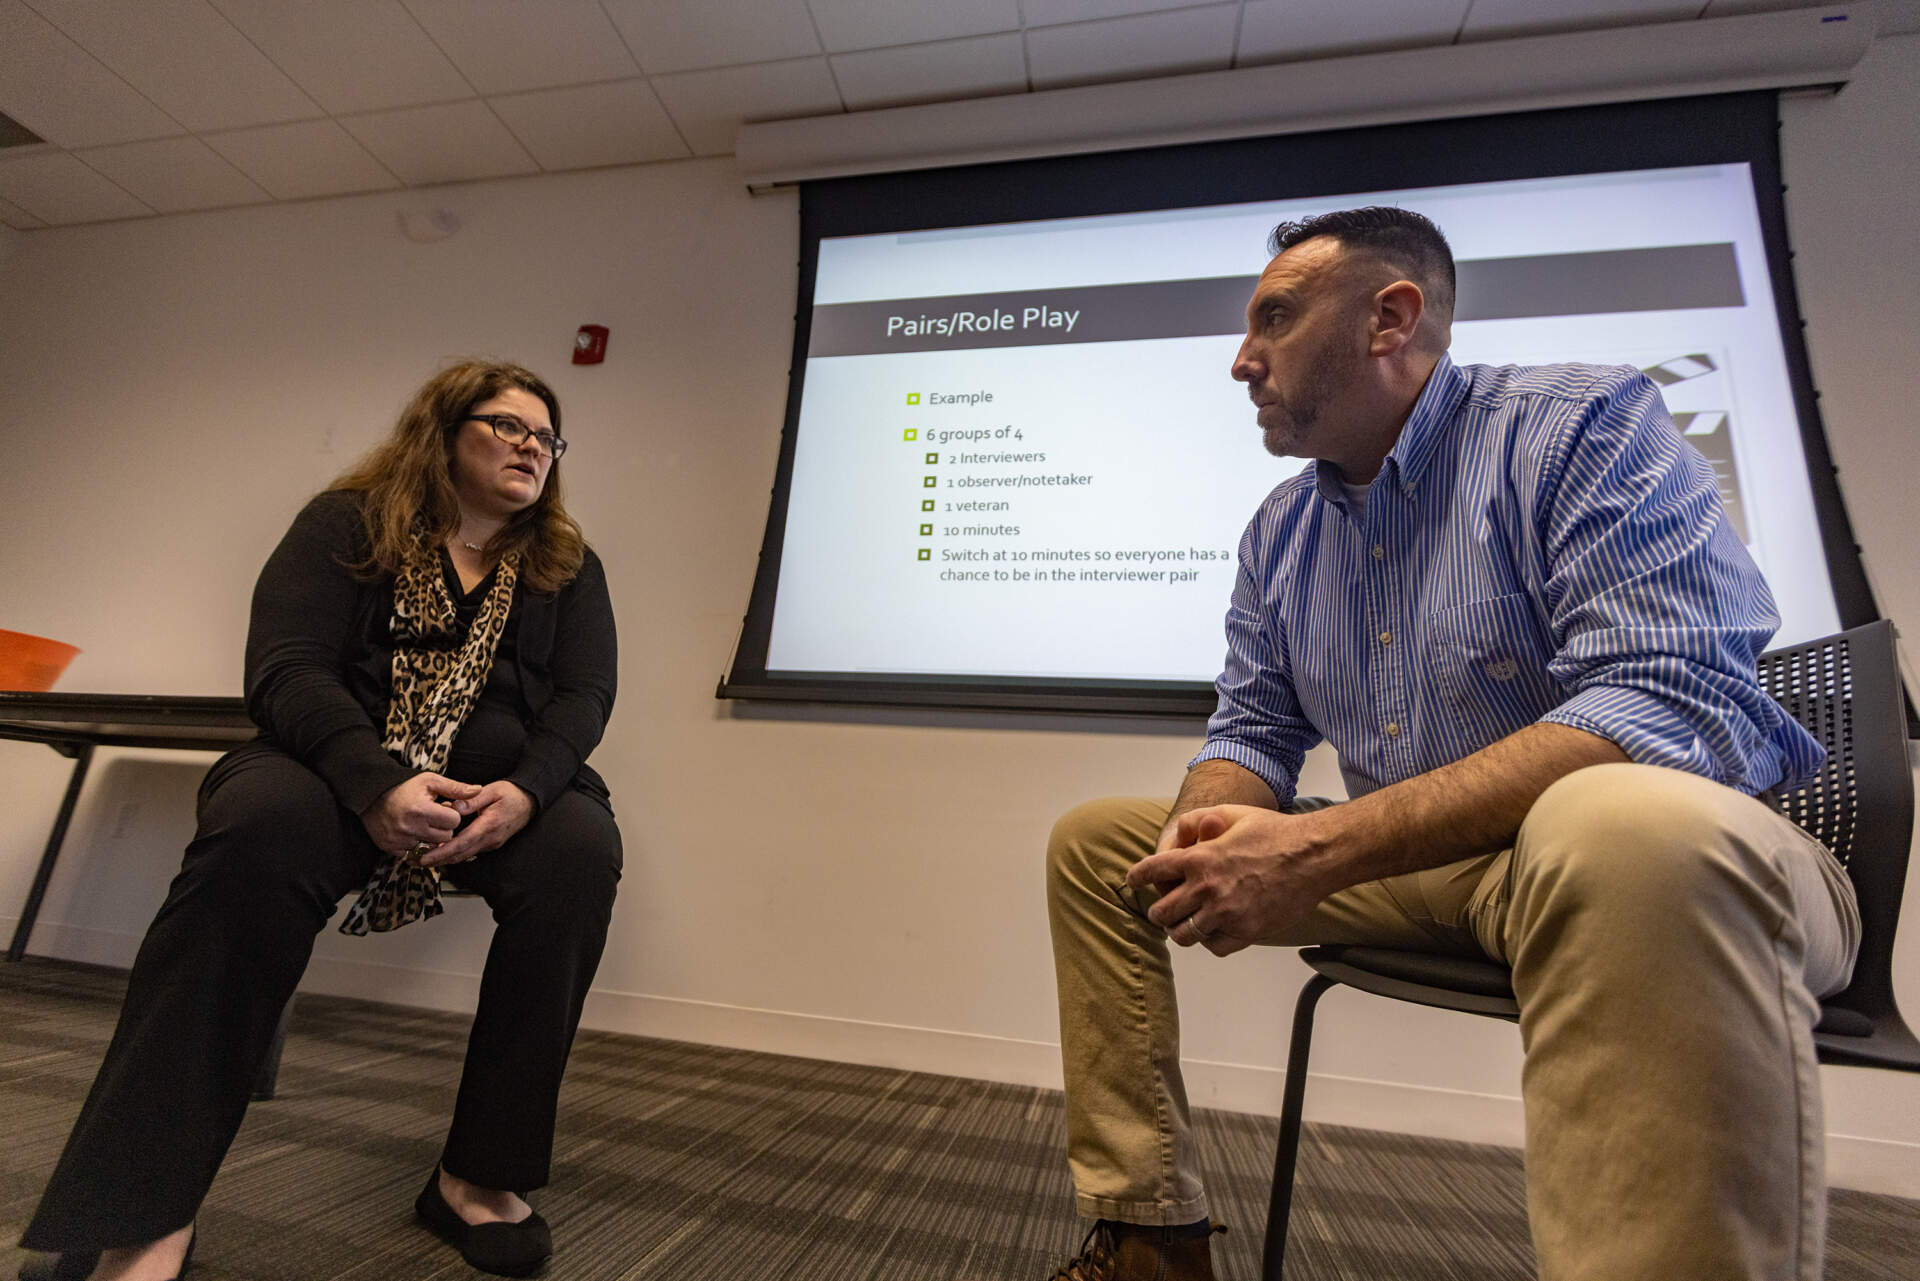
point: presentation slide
(1020, 453)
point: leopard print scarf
(437, 677)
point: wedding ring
(1194, 933)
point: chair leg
(1274, 1253)
(263, 1084)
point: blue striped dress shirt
(1541, 545)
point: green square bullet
(932, 481)
(932, 458)
(911, 435)
(926, 530)
(925, 554)
(926, 504)
(913, 398)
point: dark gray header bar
(1669, 278)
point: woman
(430, 659)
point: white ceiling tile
(609, 124)
(175, 174)
(505, 46)
(450, 143)
(17, 218)
(672, 35)
(870, 24)
(1124, 48)
(1051, 13)
(709, 105)
(1493, 19)
(59, 189)
(298, 161)
(186, 57)
(1281, 30)
(350, 55)
(63, 93)
(931, 72)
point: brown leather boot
(1128, 1252)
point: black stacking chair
(1846, 690)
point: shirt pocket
(1490, 666)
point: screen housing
(1672, 133)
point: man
(1511, 600)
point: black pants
(273, 855)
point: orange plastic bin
(32, 662)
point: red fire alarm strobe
(590, 345)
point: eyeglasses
(515, 432)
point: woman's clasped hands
(420, 819)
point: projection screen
(1015, 470)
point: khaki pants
(1668, 938)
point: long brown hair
(407, 490)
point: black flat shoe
(78, 1265)
(504, 1249)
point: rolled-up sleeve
(1258, 723)
(1657, 611)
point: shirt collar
(1432, 411)
(1419, 435)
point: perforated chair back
(1846, 690)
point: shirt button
(1393, 729)
(1379, 552)
(1386, 638)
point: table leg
(82, 757)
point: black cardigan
(320, 663)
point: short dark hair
(1408, 241)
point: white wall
(860, 886)
(1852, 169)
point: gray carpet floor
(679, 1161)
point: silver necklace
(472, 547)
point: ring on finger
(1191, 927)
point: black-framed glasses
(515, 432)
